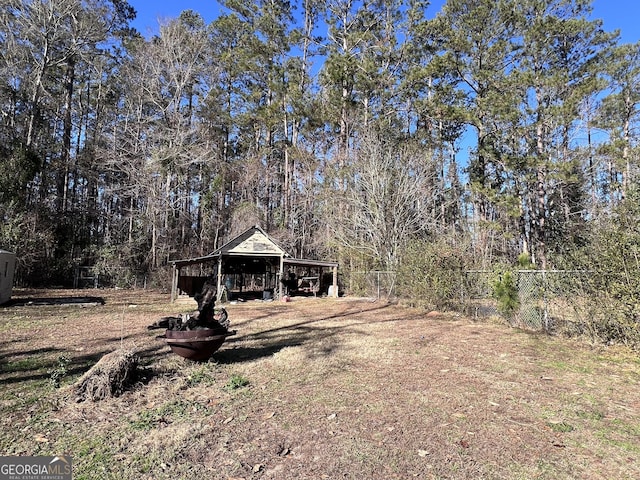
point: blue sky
(616, 14)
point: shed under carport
(253, 264)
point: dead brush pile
(110, 377)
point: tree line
(359, 131)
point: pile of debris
(206, 317)
(110, 377)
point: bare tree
(388, 202)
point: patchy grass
(235, 382)
(317, 388)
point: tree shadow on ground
(266, 343)
(312, 321)
(248, 354)
(40, 364)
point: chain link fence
(548, 299)
(476, 298)
(602, 306)
(378, 285)
(554, 301)
(545, 299)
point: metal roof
(253, 242)
(308, 263)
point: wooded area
(366, 132)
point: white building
(7, 269)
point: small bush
(611, 278)
(59, 371)
(524, 261)
(431, 273)
(505, 291)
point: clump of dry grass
(109, 377)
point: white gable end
(256, 243)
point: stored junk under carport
(254, 265)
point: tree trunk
(66, 133)
(541, 199)
(626, 176)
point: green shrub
(430, 273)
(505, 291)
(59, 372)
(610, 278)
(524, 261)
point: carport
(253, 265)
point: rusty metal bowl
(197, 345)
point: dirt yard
(315, 389)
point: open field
(317, 389)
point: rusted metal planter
(197, 345)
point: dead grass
(317, 389)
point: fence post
(544, 301)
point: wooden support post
(219, 296)
(335, 282)
(279, 277)
(175, 274)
